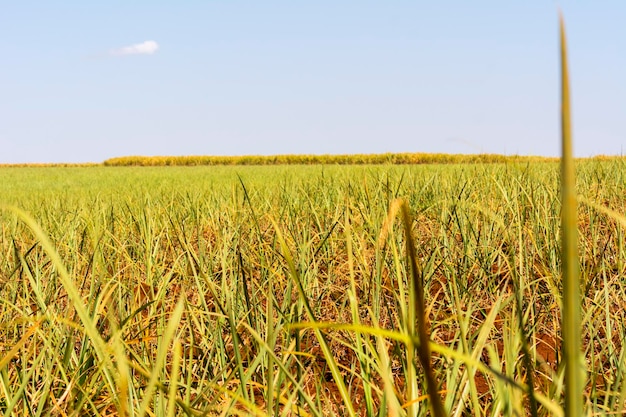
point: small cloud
(144, 48)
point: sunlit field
(285, 290)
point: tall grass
(486, 251)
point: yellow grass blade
(15, 349)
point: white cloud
(143, 48)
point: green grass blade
(174, 379)
(574, 381)
(417, 291)
(162, 353)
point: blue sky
(79, 83)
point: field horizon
(402, 158)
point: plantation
(282, 290)
(351, 159)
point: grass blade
(162, 353)
(574, 378)
(417, 291)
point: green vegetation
(278, 290)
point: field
(285, 290)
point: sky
(86, 81)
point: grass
(267, 269)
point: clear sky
(82, 81)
